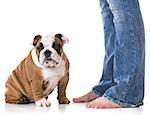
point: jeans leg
(106, 80)
(129, 54)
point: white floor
(70, 109)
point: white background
(80, 21)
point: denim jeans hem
(97, 92)
(123, 104)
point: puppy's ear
(62, 38)
(36, 39)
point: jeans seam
(134, 53)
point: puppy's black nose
(47, 53)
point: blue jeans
(122, 80)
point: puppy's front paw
(42, 103)
(63, 100)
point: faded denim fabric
(122, 79)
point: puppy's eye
(57, 47)
(40, 47)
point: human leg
(129, 58)
(107, 78)
(129, 54)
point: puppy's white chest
(52, 76)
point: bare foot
(86, 98)
(102, 103)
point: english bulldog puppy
(45, 67)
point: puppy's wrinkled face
(49, 49)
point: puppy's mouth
(50, 63)
(51, 60)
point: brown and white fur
(40, 72)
